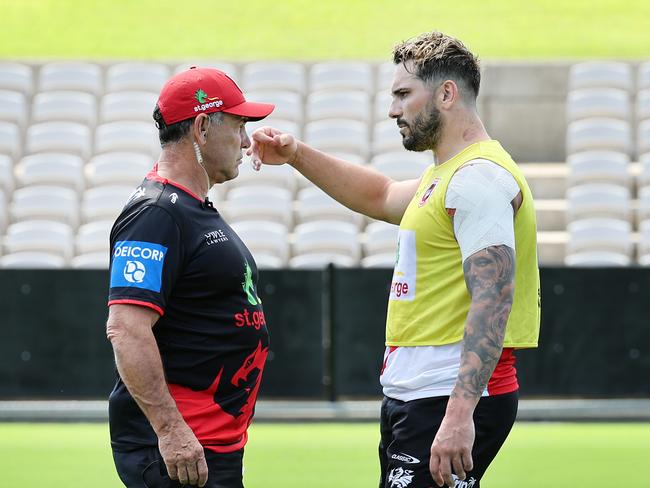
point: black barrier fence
(327, 330)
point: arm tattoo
(489, 275)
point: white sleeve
(481, 193)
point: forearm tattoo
(489, 275)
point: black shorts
(144, 468)
(408, 430)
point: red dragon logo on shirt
(204, 410)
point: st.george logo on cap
(206, 90)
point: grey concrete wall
(523, 105)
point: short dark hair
(437, 56)
(175, 132)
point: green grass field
(297, 29)
(338, 455)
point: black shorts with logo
(408, 430)
(144, 468)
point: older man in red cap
(188, 372)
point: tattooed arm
(489, 275)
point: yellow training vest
(429, 300)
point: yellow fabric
(429, 300)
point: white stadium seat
(339, 105)
(643, 137)
(136, 77)
(327, 236)
(643, 207)
(104, 202)
(642, 106)
(228, 68)
(288, 126)
(599, 133)
(69, 137)
(321, 260)
(598, 102)
(274, 75)
(599, 167)
(57, 169)
(402, 165)
(282, 176)
(44, 202)
(6, 174)
(4, 212)
(601, 74)
(267, 261)
(288, 105)
(385, 75)
(10, 140)
(32, 260)
(17, 77)
(94, 237)
(128, 105)
(596, 259)
(73, 106)
(314, 204)
(644, 176)
(67, 75)
(117, 168)
(341, 75)
(383, 99)
(644, 242)
(598, 200)
(39, 236)
(383, 260)
(13, 107)
(92, 260)
(259, 203)
(338, 135)
(643, 76)
(380, 238)
(264, 238)
(386, 137)
(596, 234)
(133, 136)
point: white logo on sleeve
(400, 477)
(134, 271)
(173, 197)
(402, 286)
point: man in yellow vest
(465, 290)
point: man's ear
(200, 128)
(448, 92)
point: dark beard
(425, 131)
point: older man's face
(224, 148)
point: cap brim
(251, 110)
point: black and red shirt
(171, 251)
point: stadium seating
(82, 134)
(601, 74)
(73, 106)
(128, 105)
(70, 137)
(343, 75)
(13, 107)
(274, 75)
(75, 76)
(40, 236)
(34, 260)
(57, 169)
(10, 140)
(17, 77)
(136, 76)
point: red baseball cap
(204, 91)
